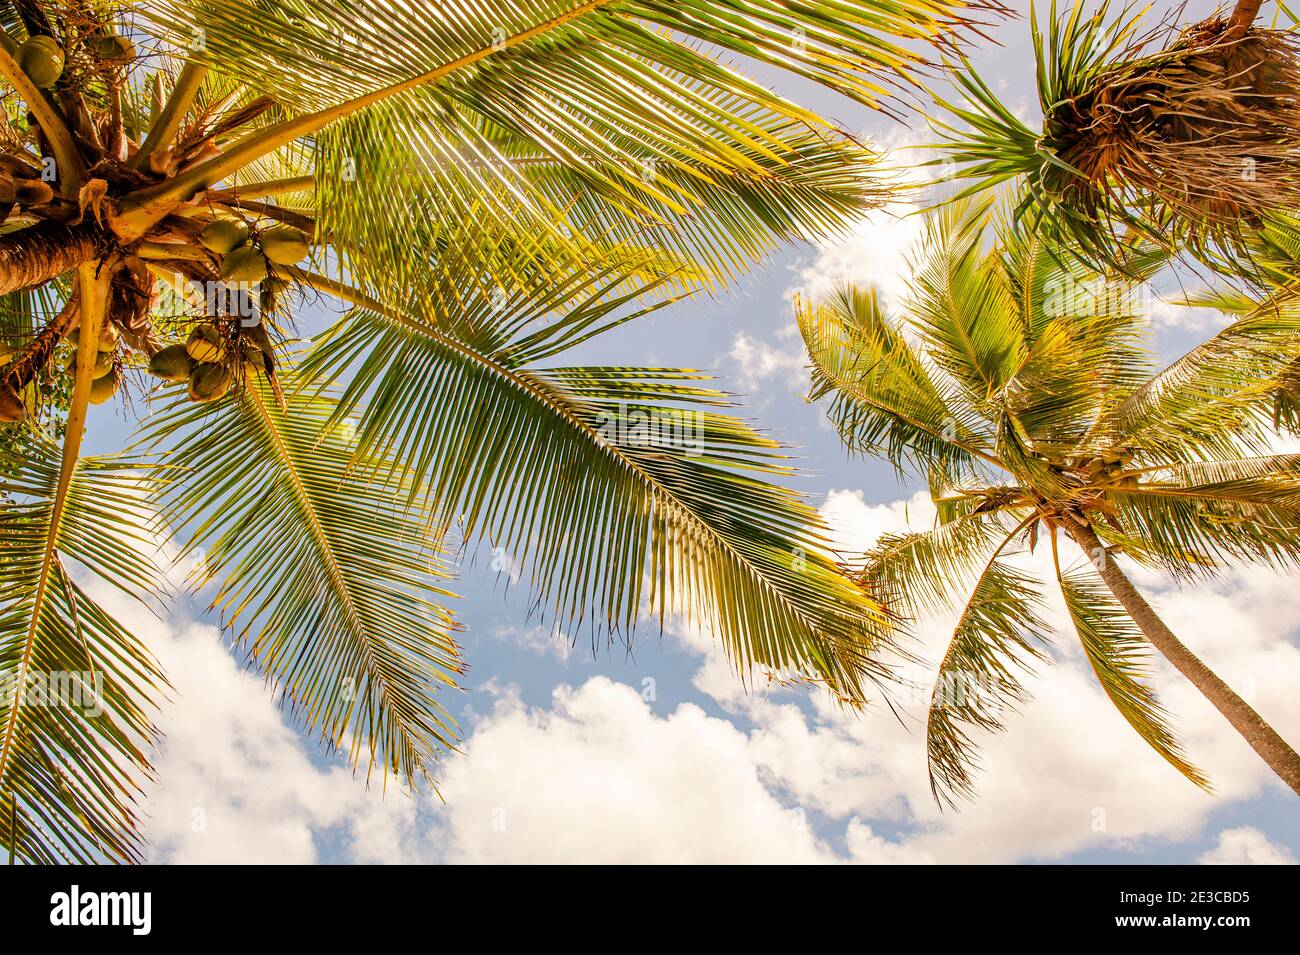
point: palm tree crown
(1019, 386)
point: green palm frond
(995, 639)
(78, 687)
(323, 571)
(652, 499)
(884, 399)
(1217, 399)
(919, 572)
(961, 305)
(504, 111)
(1192, 517)
(1117, 653)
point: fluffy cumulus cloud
(604, 772)
(1246, 845)
(600, 777)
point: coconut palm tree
(485, 186)
(1186, 135)
(1018, 384)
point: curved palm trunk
(1243, 15)
(35, 255)
(1263, 739)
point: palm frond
(1117, 652)
(652, 501)
(323, 571)
(884, 399)
(78, 687)
(978, 678)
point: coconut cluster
(43, 59)
(211, 362)
(246, 257)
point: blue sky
(658, 754)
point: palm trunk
(1263, 739)
(1243, 15)
(39, 253)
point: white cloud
(600, 775)
(537, 639)
(876, 249)
(599, 778)
(1246, 845)
(759, 362)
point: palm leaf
(977, 678)
(72, 762)
(652, 501)
(324, 574)
(1117, 652)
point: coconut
(245, 264)
(173, 363)
(108, 336)
(205, 344)
(103, 364)
(209, 382)
(41, 58)
(116, 48)
(105, 387)
(284, 245)
(12, 408)
(223, 236)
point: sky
(662, 754)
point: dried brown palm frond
(1181, 134)
(1206, 132)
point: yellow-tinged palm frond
(884, 398)
(527, 112)
(79, 688)
(616, 489)
(997, 636)
(1117, 653)
(325, 573)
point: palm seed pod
(223, 236)
(105, 387)
(173, 363)
(205, 344)
(245, 264)
(116, 48)
(209, 382)
(103, 364)
(41, 58)
(285, 245)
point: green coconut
(245, 264)
(41, 58)
(109, 336)
(223, 236)
(284, 245)
(12, 408)
(205, 344)
(173, 363)
(103, 364)
(209, 381)
(116, 48)
(105, 387)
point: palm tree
(485, 185)
(1018, 385)
(1187, 136)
